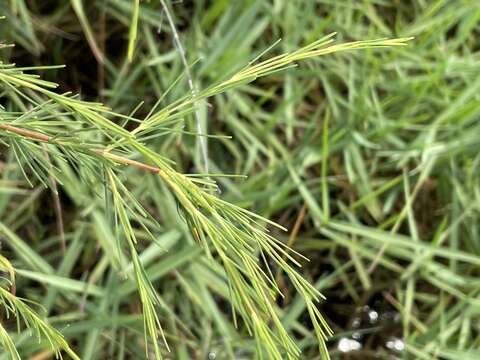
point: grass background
(369, 158)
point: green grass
(368, 157)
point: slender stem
(102, 152)
(126, 161)
(27, 133)
(202, 142)
(57, 205)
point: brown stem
(102, 152)
(57, 205)
(24, 132)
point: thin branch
(202, 142)
(102, 152)
(57, 205)
(27, 133)
(126, 161)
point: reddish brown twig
(102, 152)
(27, 133)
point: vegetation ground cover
(368, 157)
